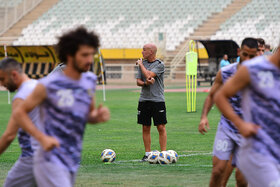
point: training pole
(102, 76)
(6, 56)
(191, 74)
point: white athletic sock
(147, 153)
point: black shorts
(148, 110)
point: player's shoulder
(90, 76)
(28, 85)
(229, 67)
(50, 78)
(255, 62)
(26, 88)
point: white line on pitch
(195, 154)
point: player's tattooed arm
(239, 81)
(11, 131)
(208, 103)
(22, 118)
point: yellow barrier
(121, 53)
(137, 53)
(47, 53)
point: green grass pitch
(124, 136)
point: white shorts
(21, 174)
(257, 168)
(226, 143)
(48, 174)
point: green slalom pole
(192, 93)
(191, 73)
(195, 92)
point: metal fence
(11, 12)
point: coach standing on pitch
(151, 101)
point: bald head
(149, 52)
(152, 47)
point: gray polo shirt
(154, 92)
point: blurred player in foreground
(151, 102)
(13, 78)
(259, 154)
(67, 103)
(227, 137)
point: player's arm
(208, 103)
(23, 120)
(11, 130)
(98, 115)
(239, 81)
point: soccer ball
(174, 155)
(153, 157)
(108, 155)
(164, 157)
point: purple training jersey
(235, 101)
(27, 143)
(65, 114)
(261, 106)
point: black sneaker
(144, 159)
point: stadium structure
(125, 26)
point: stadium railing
(11, 12)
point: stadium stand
(257, 19)
(127, 24)
(123, 23)
(14, 19)
(11, 3)
(11, 11)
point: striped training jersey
(235, 101)
(27, 143)
(261, 106)
(65, 114)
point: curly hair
(69, 43)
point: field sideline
(123, 135)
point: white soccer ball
(108, 155)
(164, 157)
(174, 155)
(153, 157)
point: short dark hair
(250, 42)
(9, 64)
(261, 41)
(267, 46)
(70, 42)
